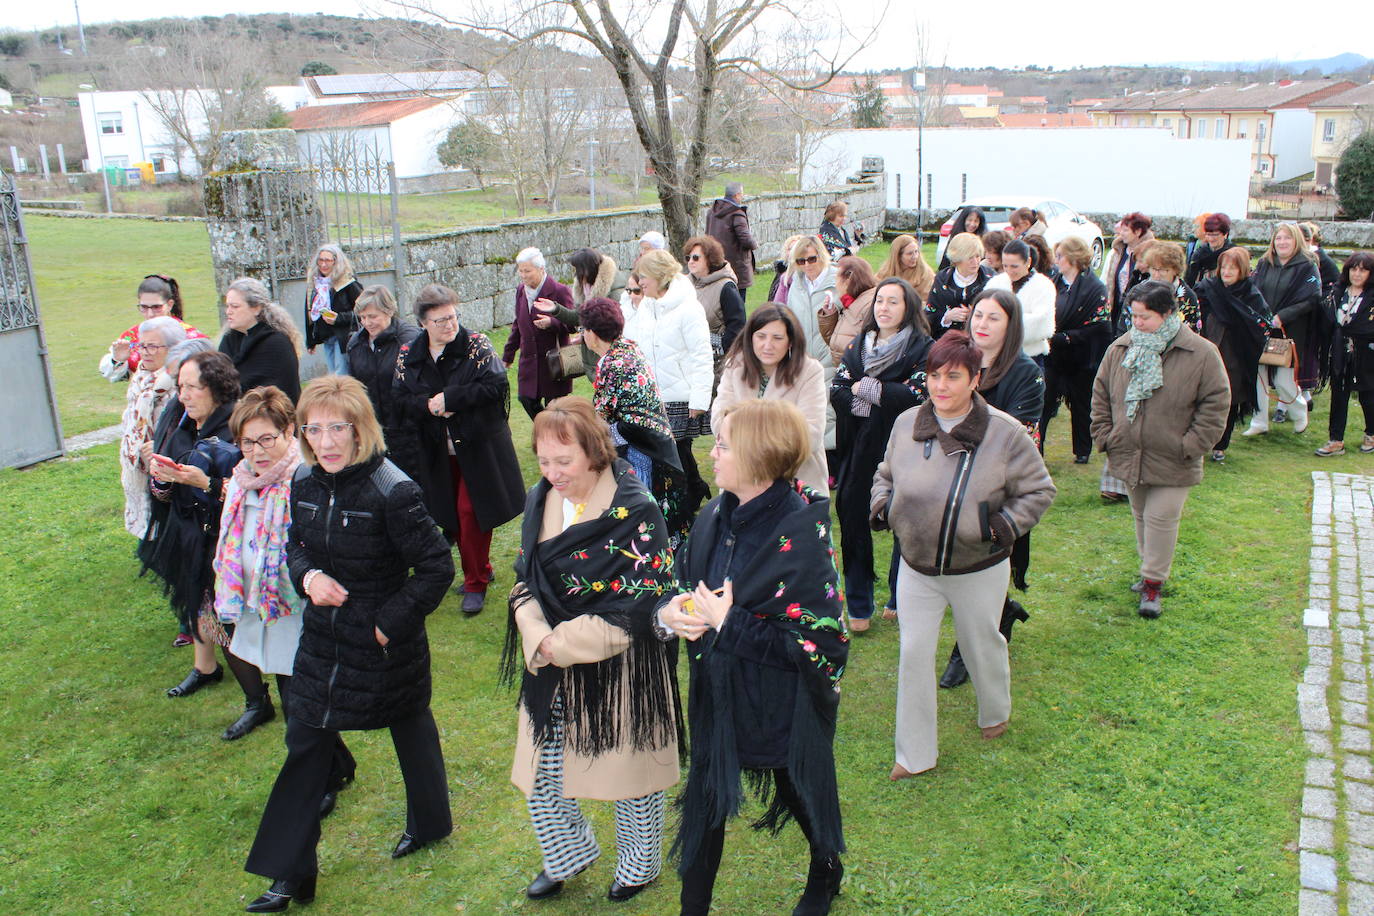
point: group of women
(308, 533)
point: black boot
(955, 672)
(279, 896)
(822, 886)
(196, 680)
(255, 712)
(1012, 611)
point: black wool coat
(341, 300)
(946, 294)
(367, 527)
(1298, 306)
(477, 391)
(374, 364)
(263, 356)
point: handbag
(1278, 351)
(565, 362)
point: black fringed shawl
(618, 567)
(792, 586)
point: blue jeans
(334, 356)
(858, 587)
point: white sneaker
(1299, 413)
(1256, 429)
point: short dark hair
(164, 286)
(1137, 221)
(572, 419)
(914, 315)
(267, 402)
(217, 373)
(1358, 259)
(1019, 248)
(431, 297)
(1217, 222)
(1044, 257)
(742, 350)
(713, 249)
(603, 318)
(955, 348)
(995, 240)
(1156, 296)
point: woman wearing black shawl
(1216, 238)
(761, 604)
(598, 699)
(1238, 320)
(881, 375)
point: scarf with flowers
(266, 588)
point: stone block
(1348, 619)
(1352, 638)
(1316, 903)
(1354, 738)
(1355, 692)
(1314, 833)
(1312, 711)
(1318, 675)
(1359, 900)
(1352, 671)
(1317, 593)
(1318, 743)
(1354, 713)
(1317, 802)
(1360, 861)
(1317, 871)
(1359, 795)
(1320, 771)
(1359, 828)
(1319, 655)
(1357, 766)
(1317, 633)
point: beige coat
(849, 323)
(808, 393)
(1173, 428)
(625, 773)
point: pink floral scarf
(267, 587)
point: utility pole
(80, 29)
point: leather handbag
(1278, 351)
(565, 362)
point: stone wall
(479, 262)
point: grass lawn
(1150, 768)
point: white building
(406, 132)
(1090, 170)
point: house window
(475, 104)
(1169, 122)
(1264, 166)
(1242, 129)
(111, 123)
(116, 162)
(1202, 128)
(1221, 128)
(1329, 130)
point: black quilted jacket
(367, 527)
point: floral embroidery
(784, 544)
(580, 585)
(782, 587)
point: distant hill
(1326, 66)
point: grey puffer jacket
(995, 483)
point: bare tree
(206, 83)
(643, 43)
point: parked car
(1061, 219)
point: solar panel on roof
(380, 83)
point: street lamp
(918, 83)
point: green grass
(1150, 768)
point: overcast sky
(1063, 34)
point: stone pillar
(263, 211)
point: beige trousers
(976, 600)
(1157, 511)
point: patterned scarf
(320, 302)
(267, 587)
(1144, 363)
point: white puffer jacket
(805, 299)
(1037, 311)
(676, 341)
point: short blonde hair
(347, 396)
(376, 297)
(771, 440)
(963, 246)
(658, 265)
(1076, 251)
(816, 245)
(1166, 256)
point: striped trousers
(565, 837)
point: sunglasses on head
(809, 259)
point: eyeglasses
(152, 308)
(442, 322)
(810, 259)
(315, 431)
(634, 290)
(266, 443)
(695, 257)
(148, 348)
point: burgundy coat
(533, 343)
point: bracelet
(308, 578)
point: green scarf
(1144, 363)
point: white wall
(143, 133)
(1116, 170)
(1292, 143)
(415, 139)
(330, 143)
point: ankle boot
(1012, 613)
(822, 886)
(255, 712)
(279, 896)
(955, 672)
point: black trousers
(290, 829)
(1077, 389)
(1340, 410)
(533, 405)
(699, 878)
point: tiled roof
(1360, 95)
(1253, 97)
(360, 114)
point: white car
(1061, 219)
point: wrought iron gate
(30, 428)
(356, 181)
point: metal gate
(30, 428)
(359, 198)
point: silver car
(1061, 219)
